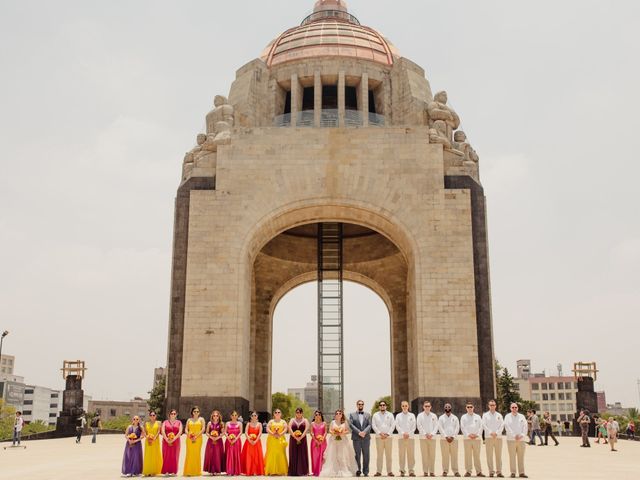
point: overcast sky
(100, 100)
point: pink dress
(171, 453)
(233, 452)
(317, 451)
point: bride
(339, 458)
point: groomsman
(428, 429)
(360, 422)
(383, 425)
(516, 427)
(449, 427)
(493, 425)
(406, 427)
(471, 426)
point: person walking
(428, 429)
(449, 427)
(96, 425)
(493, 424)
(584, 420)
(548, 429)
(18, 424)
(631, 430)
(80, 426)
(612, 431)
(516, 427)
(535, 428)
(383, 425)
(471, 426)
(406, 427)
(360, 423)
(560, 428)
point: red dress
(171, 453)
(252, 458)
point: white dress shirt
(516, 425)
(427, 424)
(406, 423)
(471, 424)
(492, 423)
(383, 423)
(449, 425)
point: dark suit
(362, 446)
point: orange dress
(252, 458)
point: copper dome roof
(329, 31)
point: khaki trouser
(383, 451)
(472, 454)
(449, 455)
(407, 451)
(428, 451)
(493, 447)
(516, 449)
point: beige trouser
(493, 447)
(383, 451)
(428, 451)
(449, 455)
(516, 449)
(472, 454)
(407, 451)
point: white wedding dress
(339, 457)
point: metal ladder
(330, 335)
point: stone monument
(73, 372)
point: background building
(109, 409)
(41, 403)
(308, 394)
(7, 363)
(158, 375)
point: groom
(360, 422)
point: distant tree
(156, 398)
(7, 415)
(37, 426)
(387, 399)
(118, 423)
(524, 405)
(507, 389)
(288, 403)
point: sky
(99, 101)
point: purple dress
(132, 458)
(214, 453)
(298, 451)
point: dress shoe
(479, 474)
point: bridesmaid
(275, 461)
(318, 442)
(152, 465)
(132, 458)
(252, 459)
(214, 452)
(233, 445)
(194, 429)
(171, 433)
(298, 449)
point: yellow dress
(275, 460)
(152, 455)
(192, 462)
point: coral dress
(214, 452)
(317, 449)
(298, 450)
(132, 458)
(193, 462)
(275, 461)
(171, 452)
(233, 451)
(252, 458)
(152, 456)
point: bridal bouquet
(337, 433)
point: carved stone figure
(461, 143)
(438, 110)
(222, 112)
(438, 134)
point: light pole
(4, 334)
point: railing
(330, 14)
(305, 119)
(282, 120)
(376, 120)
(329, 118)
(352, 118)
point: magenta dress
(214, 452)
(317, 451)
(171, 453)
(233, 452)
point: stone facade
(274, 160)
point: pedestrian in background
(96, 425)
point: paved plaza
(64, 460)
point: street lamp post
(4, 334)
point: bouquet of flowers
(297, 434)
(337, 433)
(253, 436)
(150, 439)
(319, 440)
(192, 436)
(214, 433)
(132, 437)
(232, 437)
(171, 436)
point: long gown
(192, 462)
(298, 450)
(317, 450)
(339, 458)
(275, 460)
(152, 464)
(234, 451)
(132, 458)
(252, 458)
(214, 451)
(171, 453)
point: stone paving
(64, 460)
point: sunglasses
(152, 414)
